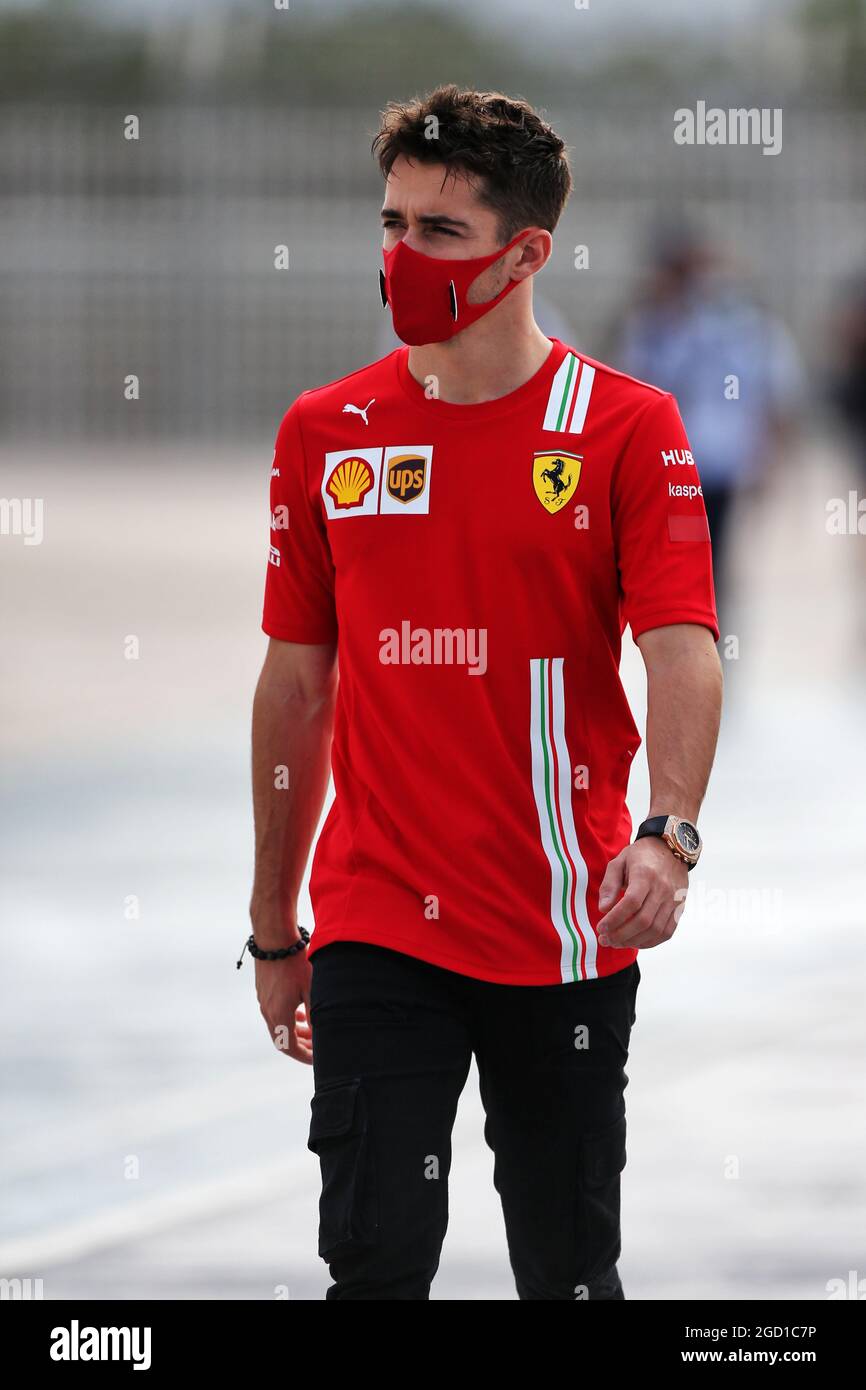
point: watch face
(688, 837)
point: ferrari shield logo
(554, 477)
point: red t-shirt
(476, 565)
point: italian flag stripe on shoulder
(570, 393)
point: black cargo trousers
(393, 1039)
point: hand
(283, 990)
(653, 884)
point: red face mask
(427, 295)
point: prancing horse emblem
(554, 477)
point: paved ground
(155, 1144)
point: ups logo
(406, 477)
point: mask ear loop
(452, 293)
(382, 291)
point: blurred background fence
(156, 256)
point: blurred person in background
(848, 383)
(475, 887)
(847, 392)
(733, 368)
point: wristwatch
(680, 836)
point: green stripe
(554, 829)
(565, 394)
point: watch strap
(656, 826)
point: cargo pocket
(348, 1206)
(602, 1160)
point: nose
(412, 236)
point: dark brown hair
(516, 161)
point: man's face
(438, 212)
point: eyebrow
(432, 219)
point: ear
(534, 252)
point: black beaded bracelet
(254, 950)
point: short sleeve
(299, 586)
(660, 529)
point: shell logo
(350, 482)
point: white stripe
(554, 400)
(581, 404)
(539, 788)
(567, 812)
(571, 951)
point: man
(469, 523)
(733, 368)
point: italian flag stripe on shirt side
(569, 396)
(551, 782)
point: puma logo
(359, 410)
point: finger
(613, 883)
(661, 931)
(300, 1050)
(293, 1045)
(284, 1034)
(629, 904)
(640, 923)
(304, 1029)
